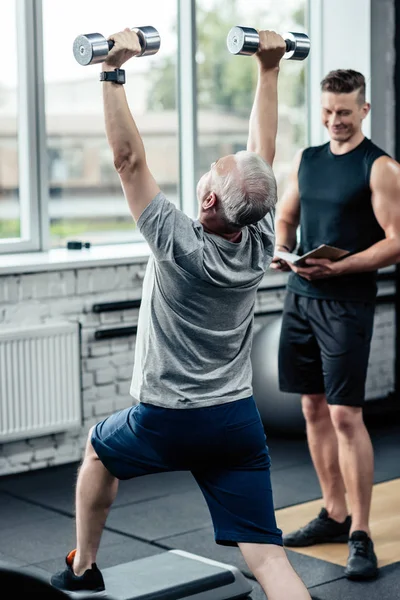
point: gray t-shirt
(195, 324)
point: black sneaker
(90, 583)
(362, 562)
(322, 530)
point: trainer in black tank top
(336, 209)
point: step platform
(175, 575)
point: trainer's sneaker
(90, 583)
(362, 562)
(322, 530)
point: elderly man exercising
(192, 373)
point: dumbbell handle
(254, 38)
(143, 41)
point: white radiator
(40, 390)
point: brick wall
(107, 364)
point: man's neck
(338, 147)
(236, 236)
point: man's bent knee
(90, 452)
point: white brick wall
(107, 364)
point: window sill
(62, 259)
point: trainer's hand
(271, 48)
(126, 45)
(279, 265)
(319, 268)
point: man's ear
(366, 109)
(209, 201)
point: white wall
(340, 34)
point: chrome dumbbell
(245, 41)
(93, 48)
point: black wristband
(283, 246)
(116, 76)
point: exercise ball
(280, 411)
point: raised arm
(263, 125)
(123, 136)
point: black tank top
(336, 209)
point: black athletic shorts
(324, 348)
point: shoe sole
(341, 539)
(86, 594)
(355, 577)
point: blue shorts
(223, 446)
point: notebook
(323, 251)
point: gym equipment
(169, 575)
(175, 574)
(245, 41)
(93, 48)
(280, 411)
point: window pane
(226, 83)
(85, 196)
(9, 181)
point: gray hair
(247, 199)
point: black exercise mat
(43, 540)
(55, 487)
(15, 512)
(386, 587)
(294, 485)
(312, 570)
(156, 519)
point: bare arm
(123, 136)
(263, 124)
(385, 186)
(287, 216)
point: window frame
(32, 135)
(28, 158)
(187, 105)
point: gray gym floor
(167, 511)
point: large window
(10, 222)
(57, 178)
(226, 83)
(85, 195)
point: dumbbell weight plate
(149, 39)
(90, 49)
(297, 44)
(243, 40)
